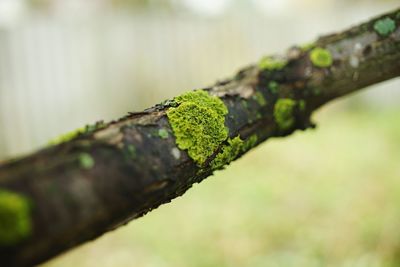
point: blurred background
(328, 197)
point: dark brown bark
(135, 170)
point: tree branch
(103, 176)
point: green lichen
(162, 133)
(86, 161)
(75, 133)
(168, 103)
(273, 87)
(385, 26)
(250, 143)
(15, 218)
(203, 99)
(198, 123)
(284, 113)
(307, 46)
(260, 99)
(67, 136)
(272, 63)
(228, 153)
(232, 149)
(93, 127)
(321, 57)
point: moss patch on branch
(228, 153)
(272, 63)
(321, 57)
(273, 87)
(260, 99)
(15, 218)
(67, 136)
(198, 123)
(284, 113)
(75, 133)
(163, 133)
(250, 143)
(86, 161)
(385, 26)
(232, 149)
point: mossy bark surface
(111, 173)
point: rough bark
(118, 171)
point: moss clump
(228, 153)
(260, 99)
(385, 26)
(321, 57)
(272, 63)
(198, 123)
(162, 133)
(250, 143)
(15, 218)
(273, 87)
(86, 161)
(168, 103)
(202, 98)
(283, 113)
(67, 136)
(93, 127)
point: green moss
(283, 113)
(163, 133)
(203, 99)
(228, 153)
(93, 127)
(321, 57)
(250, 143)
(198, 123)
(272, 63)
(385, 26)
(67, 136)
(75, 133)
(15, 218)
(86, 161)
(260, 99)
(273, 87)
(168, 103)
(307, 46)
